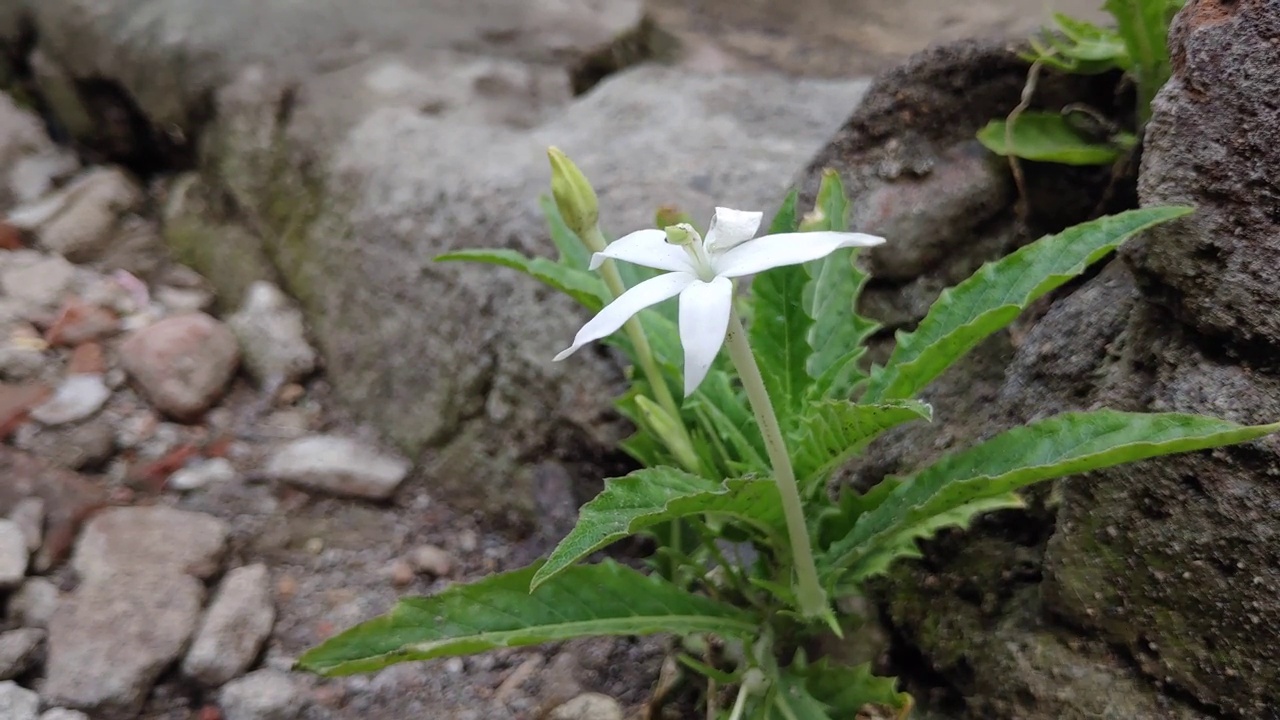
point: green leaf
(499, 612)
(724, 414)
(831, 296)
(1144, 27)
(580, 285)
(573, 253)
(846, 689)
(779, 335)
(1046, 137)
(651, 496)
(1082, 48)
(958, 487)
(789, 699)
(989, 300)
(831, 432)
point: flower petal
(616, 313)
(704, 317)
(648, 248)
(773, 251)
(731, 227)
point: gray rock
(157, 538)
(14, 554)
(28, 515)
(337, 465)
(84, 446)
(298, 38)
(235, 626)
(17, 702)
(182, 364)
(588, 706)
(114, 636)
(19, 651)
(38, 281)
(22, 135)
(34, 176)
(272, 337)
(213, 471)
(78, 396)
(63, 714)
(80, 221)
(261, 695)
(434, 146)
(34, 604)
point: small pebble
(63, 714)
(28, 515)
(34, 603)
(431, 560)
(588, 706)
(261, 695)
(213, 471)
(401, 573)
(78, 397)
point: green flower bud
(669, 430)
(574, 196)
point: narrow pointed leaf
(499, 612)
(831, 432)
(830, 298)
(989, 300)
(779, 325)
(581, 285)
(652, 496)
(984, 477)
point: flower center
(688, 238)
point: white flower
(701, 272)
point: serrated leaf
(650, 496)
(789, 699)
(723, 413)
(573, 253)
(779, 336)
(847, 689)
(989, 300)
(1046, 137)
(580, 285)
(499, 612)
(958, 487)
(831, 432)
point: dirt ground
(830, 38)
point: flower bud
(574, 196)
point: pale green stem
(644, 352)
(809, 593)
(740, 704)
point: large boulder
(1145, 591)
(339, 163)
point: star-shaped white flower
(701, 272)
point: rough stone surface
(22, 136)
(238, 621)
(17, 702)
(19, 651)
(182, 363)
(1220, 85)
(111, 639)
(338, 465)
(28, 515)
(157, 538)
(202, 474)
(272, 336)
(261, 695)
(37, 280)
(14, 554)
(1139, 592)
(34, 603)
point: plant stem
(809, 594)
(595, 241)
(740, 704)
